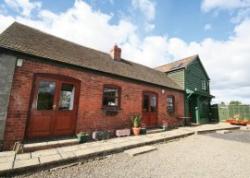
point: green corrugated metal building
(190, 74)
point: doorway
(149, 116)
(54, 106)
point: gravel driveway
(211, 155)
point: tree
(235, 103)
(222, 103)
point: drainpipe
(189, 94)
(197, 114)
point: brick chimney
(116, 53)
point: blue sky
(153, 32)
(181, 18)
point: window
(203, 85)
(111, 97)
(153, 103)
(145, 103)
(45, 96)
(67, 97)
(170, 104)
(149, 102)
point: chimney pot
(116, 53)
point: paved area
(196, 156)
(10, 162)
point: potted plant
(136, 121)
(82, 137)
(101, 135)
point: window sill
(171, 111)
(111, 110)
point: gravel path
(194, 156)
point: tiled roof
(24, 39)
(183, 63)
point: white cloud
(151, 51)
(227, 62)
(25, 7)
(83, 25)
(5, 21)
(207, 27)
(147, 7)
(238, 9)
(208, 5)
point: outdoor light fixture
(162, 91)
(19, 63)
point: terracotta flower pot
(238, 122)
(136, 130)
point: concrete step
(223, 131)
(155, 130)
(139, 150)
(30, 147)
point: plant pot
(83, 138)
(238, 122)
(136, 130)
(143, 131)
(101, 135)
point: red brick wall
(90, 115)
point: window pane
(46, 92)
(146, 103)
(170, 104)
(153, 104)
(67, 97)
(111, 92)
(110, 101)
(110, 97)
(203, 85)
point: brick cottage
(51, 87)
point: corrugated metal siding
(229, 111)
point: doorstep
(155, 130)
(49, 144)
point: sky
(153, 33)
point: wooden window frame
(173, 102)
(112, 108)
(204, 85)
(150, 93)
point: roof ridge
(192, 56)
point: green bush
(83, 137)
